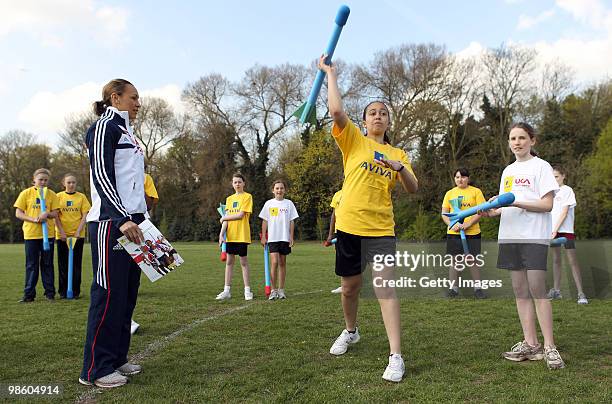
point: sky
(55, 55)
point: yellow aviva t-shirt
(366, 208)
(239, 231)
(472, 196)
(335, 202)
(28, 201)
(72, 208)
(149, 187)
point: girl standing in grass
(364, 219)
(73, 208)
(524, 236)
(563, 226)
(236, 232)
(471, 196)
(278, 224)
(28, 209)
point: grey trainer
(522, 351)
(129, 369)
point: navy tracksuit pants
(114, 291)
(37, 259)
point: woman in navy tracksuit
(118, 206)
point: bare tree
(403, 77)
(157, 126)
(72, 144)
(508, 84)
(252, 112)
(19, 157)
(460, 93)
(557, 80)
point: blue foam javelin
(307, 112)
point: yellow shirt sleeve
(52, 201)
(21, 202)
(346, 138)
(336, 199)
(445, 202)
(479, 197)
(247, 206)
(149, 187)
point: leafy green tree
(596, 187)
(315, 175)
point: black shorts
(353, 252)
(454, 246)
(237, 248)
(281, 247)
(519, 256)
(570, 244)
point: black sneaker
(26, 300)
(50, 299)
(452, 293)
(480, 294)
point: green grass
(278, 351)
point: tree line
(446, 112)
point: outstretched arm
(334, 101)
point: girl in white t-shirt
(278, 220)
(524, 236)
(563, 226)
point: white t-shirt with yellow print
(529, 181)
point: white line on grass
(89, 395)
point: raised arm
(334, 101)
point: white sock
(226, 288)
(247, 289)
(455, 288)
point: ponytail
(116, 86)
(99, 107)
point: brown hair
(41, 171)
(530, 131)
(363, 116)
(66, 176)
(116, 86)
(238, 175)
(560, 170)
(279, 181)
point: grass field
(194, 349)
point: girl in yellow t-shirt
(236, 232)
(73, 208)
(27, 208)
(364, 219)
(471, 196)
